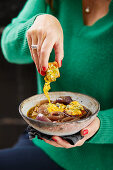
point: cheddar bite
(51, 74)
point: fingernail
(54, 139)
(85, 132)
(41, 138)
(43, 73)
(39, 70)
(44, 68)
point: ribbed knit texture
(87, 68)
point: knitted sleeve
(13, 42)
(105, 132)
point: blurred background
(14, 82)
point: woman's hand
(87, 132)
(47, 33)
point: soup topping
(51, 74)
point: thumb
(91, 129)
(84, 131)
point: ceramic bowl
(65, 128)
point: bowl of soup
(66, 114)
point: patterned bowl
(65, 128)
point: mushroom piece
(64, 100)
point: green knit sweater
(87, 68)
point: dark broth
(41, 110)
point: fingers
(32, 39)
(59, 142)
(62, 142)
(59, 52)
(29, 40)
(41, 38)
(46, 49)
(52, 143)
(42, 53)
(34, 51)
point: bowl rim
(70, 122)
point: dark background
(17, 82)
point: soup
(63, 109)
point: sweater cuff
(105, 133)
(14, 39)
